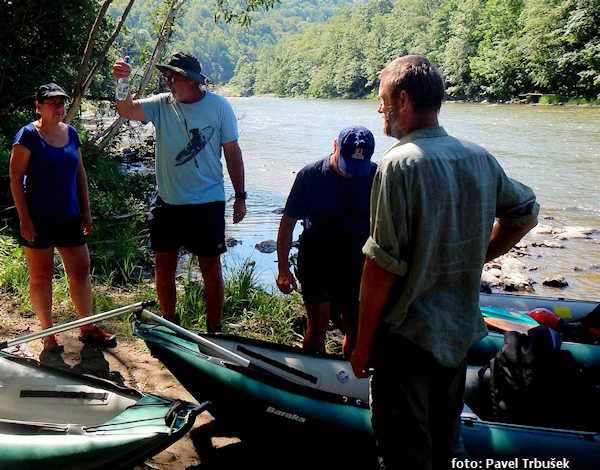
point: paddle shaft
(75, 324)
(219, 351)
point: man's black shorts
(199, 228)
(327, 278)
(51, 232)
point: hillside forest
(487, 49)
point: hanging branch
(81, 85)
(163, 37)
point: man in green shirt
(440, 208)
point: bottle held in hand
(122, 86)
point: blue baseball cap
(356, 144)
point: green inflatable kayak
(52, 418)
(270, 390)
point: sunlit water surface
(553, 149)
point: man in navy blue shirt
(331, 197)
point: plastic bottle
(122, 86)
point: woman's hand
(28, 230)
(86, 223)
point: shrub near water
(249, 309)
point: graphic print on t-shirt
(198, 140)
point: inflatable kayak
(269, 390)
(566, 309)
(52, 418)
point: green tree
(580, 64)
(460, 45)
(496, 68)
(540, 42)
(41, 41)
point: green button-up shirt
(434, 202)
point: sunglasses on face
(55, 104)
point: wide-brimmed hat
(356, 144)
(49, 90)
(187, 65)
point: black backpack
(534, 382)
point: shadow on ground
(269, 454)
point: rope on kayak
(121, 423)
(179, 410)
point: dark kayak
(269, 390)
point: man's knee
(211, 269)
(166, 262)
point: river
(553, 149)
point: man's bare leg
(166, 265)
(214, 290)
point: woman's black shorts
(199, 228)
(51, 231)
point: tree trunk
(82, 85)
(163, 36)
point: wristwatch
(243, 195)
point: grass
(557, 99)
(249, 309)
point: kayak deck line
(64, 394)
(277, 364)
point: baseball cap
(356, 144)
(49, 90)
(187, 65)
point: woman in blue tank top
(49, 187)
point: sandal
(52, 344)
(97, 337)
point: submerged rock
(572, 234)
(267, 246)
(230, 241)
(548, 244)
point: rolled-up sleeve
(388, 227)
(373, 251)
(516, 205)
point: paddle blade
(507, 325)
(506, 320)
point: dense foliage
(219, 44)
(487, 49)
(494, 49)
(41, 41)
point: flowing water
(553, 149)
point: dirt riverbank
(207, 446)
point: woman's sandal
(52, 344)
(96, 337)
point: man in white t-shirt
(192, 126)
